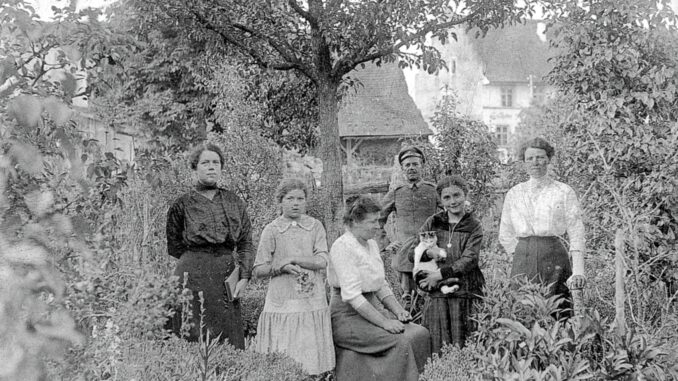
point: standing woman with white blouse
(536, 215)
(370, 344)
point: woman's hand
(394, 326)
(576, 282)
(240, 288)
(404, 316)
(431, 280)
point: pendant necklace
(449, 236)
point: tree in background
(324, 41)
(159, 87)
(618, 64)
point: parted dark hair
(536, 143)
(287, 185)
(449, 181)
(358, 207)
(194, 156)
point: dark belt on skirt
(215, 250)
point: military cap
(410, 151)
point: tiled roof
(513, 53)
(381, 106)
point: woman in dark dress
(205, 227)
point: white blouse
(542, 207)
(356, 269)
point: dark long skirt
(206, 274)
(448, 320)
(367, 352)
(537, 257)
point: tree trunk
(330, 153)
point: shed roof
(380, 105)
(513, 53)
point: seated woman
(293, 252)
(379, 347)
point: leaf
(515, 326)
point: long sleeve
(507, 234)
(244, 244)
(387, 207)
(320, 242)
(575, 232)
(174, 231)
(469, 257)
(574, 222)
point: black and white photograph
(338, 190)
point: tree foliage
(159, 88)
(618, 64)
(324, 41)
(464, 147)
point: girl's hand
(434, 252)
(431, 280)
(291, 269)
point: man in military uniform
(413, 202)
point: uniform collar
(283, 223)
(416, 184)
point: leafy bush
(464, 147)
(453, 364)
(176, 359)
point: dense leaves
(464, 147)
(617, 136)
(324, 41)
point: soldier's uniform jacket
(413, 204)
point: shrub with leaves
(464, 147)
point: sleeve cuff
(357, 301)
(383, 293)
(447, 272)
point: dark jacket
(412, 205)
(462, 243)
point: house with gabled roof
(495, 76)
(375, 118)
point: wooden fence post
(619, 291)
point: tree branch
(290, 64)
(285, 52)
(345, 65)
(307, 16)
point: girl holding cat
(459, 237)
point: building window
(538, 95)
(501, 135)
(453, 66)
(506, 97)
